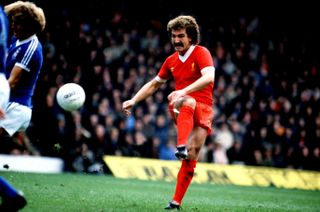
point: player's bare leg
(5, 142)
(196, 141)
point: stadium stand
(267, 106)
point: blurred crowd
(267, 90)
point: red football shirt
(186, 72)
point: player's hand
(126, 106)
(175, 95)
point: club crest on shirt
(192, 67)
(14, 55)
(172, 69)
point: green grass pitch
(83, 192)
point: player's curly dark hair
(186, 22)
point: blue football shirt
(28, 55)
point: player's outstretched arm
(145, 91)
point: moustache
(178, 44)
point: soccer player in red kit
(191, 104)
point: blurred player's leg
(6, 142)
(12, 199)
(4, 94)
(4, 99)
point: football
(71, 96)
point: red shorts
(203, 116)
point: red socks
(184, 178)
(185, 174)
(184, 125)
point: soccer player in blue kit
(11, 198)
(4, 86)
(23, 65)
